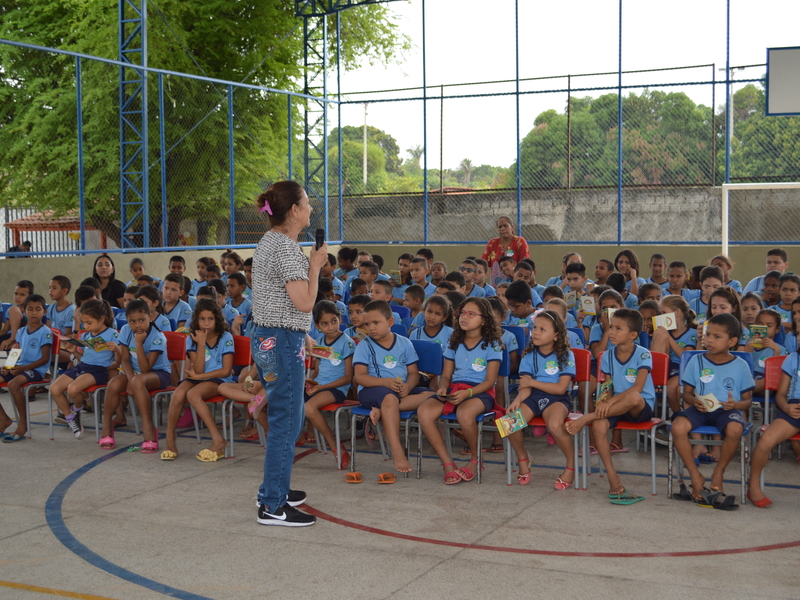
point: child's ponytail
(99, 310)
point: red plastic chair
(772, 378)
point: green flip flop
(625, 498)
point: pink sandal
(150, 446)
(524, 479)
(560, 484)
(452, 476)
(107, 443)
(256, 404)
(465, 473)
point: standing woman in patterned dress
(506, 244)
(284, 291)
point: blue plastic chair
(400, 329)
(121, 322)
(644, 340)
(580, 333)
(403, 311)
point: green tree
(258, 42)
(391, 151)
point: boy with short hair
(575, 275)
(658, 264)
(468, 270)
(237, 284)
(602, 270)
(628, 366)
(386, 374)
(523, 271)
(676, 281)
(186, 292)
(61, 312)
(458, 280)
(144, 280)
(714, 372)
(213, 272)
(130, 294)
(326, 289)
(419, 274)
(616, 281)
(482, 271)
(444, 287)
(36, 342)
(15, 317)
(228, 311)
(358, 287)
(559, 280)
(368, 271)
(520, 298)
(507, 264)
(650, 291)
(177, 264)
(777, 260)
(413, 299)
(174, 308)
(382, 291)
(355, 310)
(247, 268)
(427, 254)
(326, 271)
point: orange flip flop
(386, 478)
(354, 477)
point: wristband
(470, 392)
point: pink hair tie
(266, 209)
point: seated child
(175, 308)
(694, 277)
(710, 279)
(61, 313)
(789, 290)
(616, 281)
(438, 271)
(186, 292)
(658, 264)
(501, 293)
(771, 319)
(202, 275)
(481, 273)
(228, 312)
(524, 271)
(155, 301)
(770, 295)
(715, 372)
(130, 294)
(213, 272)
(560, 280)
(98, 320)
(588, 321)
(546, 373)
(326, 271)
(602, 270)
(649, 291)
(458, 280)
(355, 310)
(414, 300)
(674, 342)
(137, 270)
(471, 363)
(329, 292)
(751, 305)
(507, 264)
(232, 263)
(332, 376)
(36, 342)
(386, 374)
(368, 271)
(248, 389)
(382, 290)
(347, 270)
(559, 306)
(404, 266)
(15, 317)
(677, 276)
(209, 362)
(236, 286)
(726, 265)
(145, 367)
(554, 292)
(434, 328)
(444, 287)
(468, 269)
(419, 273)
(521, 301)
(627, 366)
(358, 287)
(649, 309)
(575, 276)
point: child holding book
(331, 375)
(658, 264)
(675, 342)
(546, 373)
(649, 309)
(751, 305)
(763, 345)
(387, 375)
(770, 294)
(35, 343)
(145, 367)
(632, 396)
(404, 268)
(575, 275)
(717, 387)
(471, 363)
(587, 321)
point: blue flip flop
(10, 438)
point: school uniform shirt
(539, 289)
(229, 313)
(430, 290)
(545, 368)
(708, 377)
(196, 285)
(664, 285)
(397, 293)
(632, 302)
(155, 341)
(791, 367)
(688, 339)
(687, 294)
(418, 321)
(571, 321)
(104, 358)
(351, 332)
(476, 292)
(554, 281)
(624, 374)
(245, 308)
(224, 278)
(441, 337)
(191, 301)
(340, 306)
(759, 356)
(790, 343)
(31, 344)
(785, 313)
(391, 362)
(163, 323)
(61, 320)
(488, 290)
(756, 285)
(510, 342)
(180, 312)
(596, 334)
(382, 277)
(574, 340)
(700, 308)
(215, 354)
(589, 321)
(397, 319)
(639, 280)
(471, 363)
(338, 287)
(333, 368)
(736, 285)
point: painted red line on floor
(413, 538)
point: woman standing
(284, 291)
(111, 289)
(507, 244)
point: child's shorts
(674, 369)
(216, 380)
(538, 401)
(164, 377)
(338, 396)
(782, 415)
(719, 418)
(758, 376)
(485, 397)
(99, 373)
(647, 414)
(372, 397)
(30, 375)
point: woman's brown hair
(278, 200)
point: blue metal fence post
(81, 196)
(619, 133)
(325, 126)
(163, 161)
(339, 113)
(424, 130)
(519, 153)
(728, 116)
(290, 136)
(230, 163)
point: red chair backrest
(660, 371)
(242, 353)
(583, 364)
(772, 372)
(176, 346)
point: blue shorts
(30, 375)
(216, 380)
(758, 376)
(538, 401)
(338, 396)
(674, 369)
(372, 397)
(164, 378)
(782, 415)
(719, 418)
(488, 401)
(99, 373)
(647, 414)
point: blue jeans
(279, 355)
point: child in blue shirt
(209, 362)
(36, 342)
(789, 291)
(155, 301)
(202, 265)
(419, 274)
(236, 286)
(61, 312)
(228, 312)
(481, 273)
(658, 264)
(175, 309)
(471, 363)
(387, 375)
(434, 329)
(677, 275)
(145, 367)
(771, 319)
(627, 365)
(716, 372)
(355, 311)
(627, 263)
(404, 266)
(785, 425)
(332, 374)
(710, 280)
(674, 342)
(347, 270)
(382, 290)
(725, 264)
(326, 272)
(521, 301)
(98, 320)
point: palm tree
(467, 167)
(416, 153)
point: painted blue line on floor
(55, 521)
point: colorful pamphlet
(325, 352)
(13, 357)
(360, 335)
(97, 344)
(758, 333)
(610, 312)
(587, 305)
(606, 391)
(395, 276)
(571, 298)
(183, 330)
(667, 321)
(309, 384)
(510, 423)
(710, 401)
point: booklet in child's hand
(571, 298)
(360, 335)
(322, 352)
(667, 321)
(183, 330)
(606, 391)
(710, 401)
(758, 333)
(97, 344)
(587, 305)
(510, 423)
(395, 275)
(13, 357)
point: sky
(469, 41)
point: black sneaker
(286, 516)
(75, 425)
(60, 419)
(296, 498)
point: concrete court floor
(85, 523)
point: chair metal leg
(196, 424)
(480, 450)
(50, 411)
(653, 457)
(419, 450)
(353, 442)
(507, 456)
(134, 414)
(670, 445)
(743, 468)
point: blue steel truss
(320, 8)
(134, 205)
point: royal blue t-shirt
(154, 342)
(471, 363)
